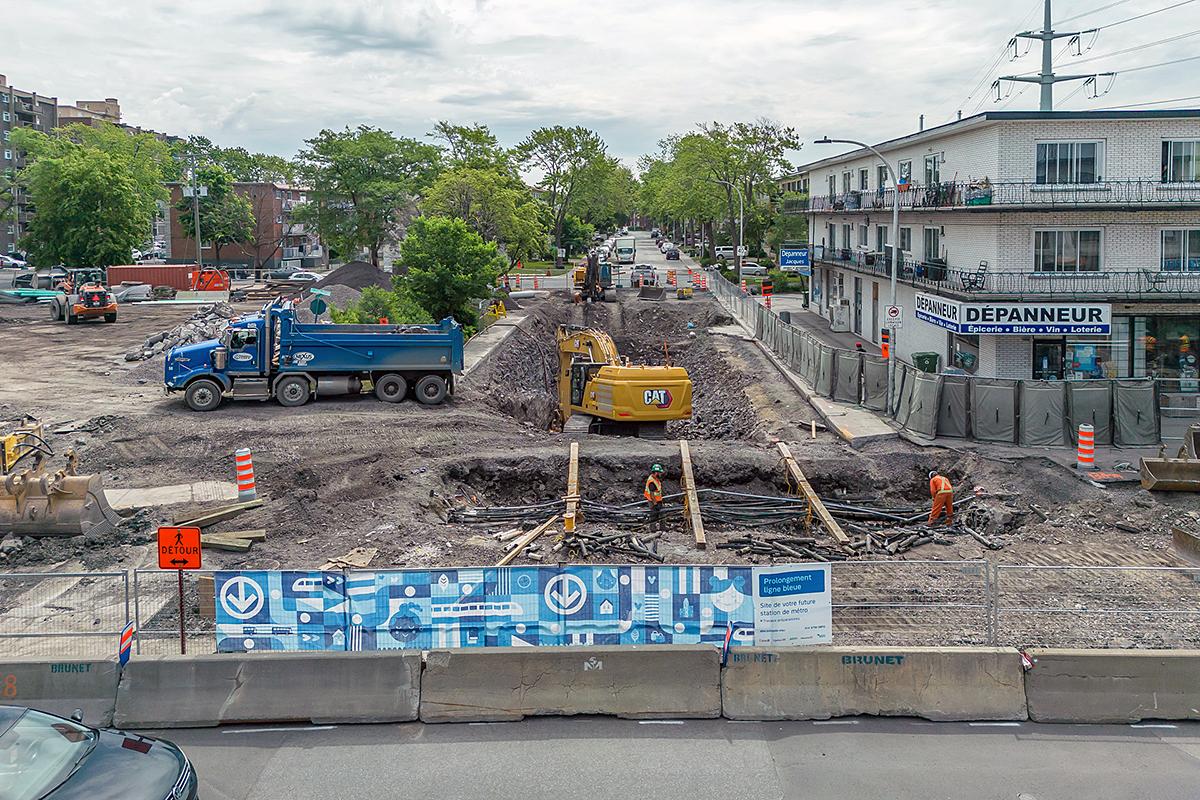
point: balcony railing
(1023, 195)
(983, 283)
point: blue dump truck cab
(270, 354)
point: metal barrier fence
(63, 614)
(900, 603)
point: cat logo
(660, 398)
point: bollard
(535, 282)
(518, 281)
(1086, 455)
(743, 285)
(245, 474)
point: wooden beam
(217, 542)
(526, 540)
(218, 515)
(814, 502)
(691, 501)
(255, 535)
(571, 514)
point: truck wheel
(203, 395)
(431, 390)
(391, 388)
(110, 317)
(55, 311)
(292, 391)
(71, 318)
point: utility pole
(1046, 78)
(196, 217)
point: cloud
(485, 98)
(348, 27)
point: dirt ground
(341, 473)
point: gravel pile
(208, 322)
(357, 275)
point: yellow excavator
(598, 392)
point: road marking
(835, 722)
(994, 724)
(273, 730)
(660, 722)
(1140, 725)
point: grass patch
(539, 268)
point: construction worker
(943, 497)
(654, 495)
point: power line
(987, 71)
(1150, 103)
(1143, 16)
(1093, 11)
(1125, 51)
(1160, 64)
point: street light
(741, 224)
(895, 243)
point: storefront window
(1166, 347)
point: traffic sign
(562, 252)
(179, 548)
(893, 316)
(793, 257)
(742, 250)
(318, 306)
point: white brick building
(1040, 228)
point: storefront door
(1048, 358)
(858, 306)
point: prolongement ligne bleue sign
(1015, 319)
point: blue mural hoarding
(483, 607)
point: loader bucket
(1170, 475)
(1191, 440)
(651, 293)
(36, 503)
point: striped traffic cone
(245, 474)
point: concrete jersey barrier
(207, 690)
(508, 683)
(1113, 685)
(60, 686)
(937, 683)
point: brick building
(278, 240)
(19, 109)
(1049, 245)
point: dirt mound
(357, 275)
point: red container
(173, 275)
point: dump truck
(625, 249)
(271, 354)
(598, 392)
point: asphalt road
(599, 758)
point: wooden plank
(218, 515)
(815, 502)
(691, 501)
(215, 541)
(255, 535)
(526, 540)
(571, 515)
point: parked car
(12, 262)
(643, 274)
(673, 254)
(46, 756)
(304, 276)
(725, 251)
(753, 268)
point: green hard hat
(656, 468)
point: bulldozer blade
(39, 504)
(1170, 475)
(651, 293)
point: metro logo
(660, 398)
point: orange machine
(209, 279)
(82, 295)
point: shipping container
(177, 276)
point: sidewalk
(816, 325)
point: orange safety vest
(653, 490)
(939, 484)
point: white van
(726, 251)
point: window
(1069, 162)
(846, 182)
(1066, 251)
(12, 248)
(8, 155)
(881, 238)
(279, 219)
(864, 179)
(832, 186)
(1181, 250)
(7, 135)
(881, 176)
(906, 240)
(1181, 161)
(933, 243)
(7, 116)
(832, 235)
(933, 169)
(846, 235)
(862, 236)
(904, 170)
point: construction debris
(580, 545)
(219, 515)
(358, 558)
(209, 322)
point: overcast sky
(266, 74)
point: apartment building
(278, 240)
(19, 109)
(1044, 245)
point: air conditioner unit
(839, 317)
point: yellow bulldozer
(37, 502)
(598, 392)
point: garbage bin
(785, 317)
(926, 362)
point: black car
(45, 756)
(673, 254)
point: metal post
(182, 630)
(137, 613)
(196, 217)
(1047, 76)
(741, 229)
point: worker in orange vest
(654, 495)
(943, 497)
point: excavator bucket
(1170, 474)
(651, 293)
(34, 502)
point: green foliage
(226, 217)
(447, 266)
(361, 182)
(95, 189)
(241, 164)
(606, 194)
(786, 227)
(397, 307)
(474, 147)
(567, 158)
(499, 209)
(576, 235)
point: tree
(241, 164)
(576, 236)
(398, 308)
(606, 194)
(361, 181)
(448, 265)
(497, 208)
(786, 227)
(474, 147)
(96, 190)
(226, 217)
(564, 157)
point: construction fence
(1030, 413)
(900, 603)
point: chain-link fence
(63, 614)
(156, 612)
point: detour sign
(179, 548)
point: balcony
(981, 283)
(1024, 196)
